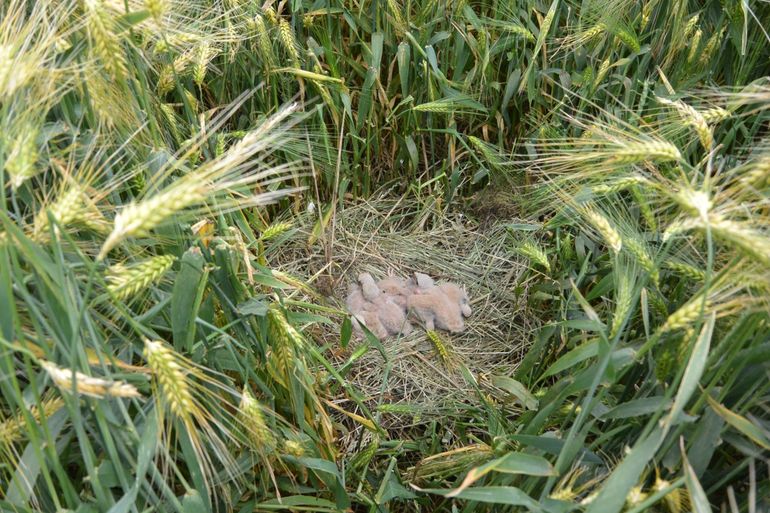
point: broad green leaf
(692, 372)
(741, 423)
(508, 495)
(296, 503)
(636, 408)
(554, 446)
(517, 390)
(573, 357)
(186, 297)
(700, 502)
(614, 491)
(511, 463)
(253, 306)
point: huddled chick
(441, 306)
(383, 306)
(376, 310)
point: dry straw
(386, 236)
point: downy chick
(355, 300)
(459, 296)
(371, 320)
(363, 312)
(392, 316)
(397, 288)
(368, 286)
(423, 281)
(436, 310)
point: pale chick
(382, 306)
(397, 288)
(457, 295)
(362, 313)
(389, 312)
(376, 310)
(436, 310)
(368, 286)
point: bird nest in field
(390, 237)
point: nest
(390, 237)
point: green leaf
(692, 372)
(253, 306)
(194, 503)
(614, 491)
(698, 497)
(508, 495)
(511, 463)
(517, 390)
(570, 359)
(741, 423)
(186, 297)
(297, 503)
(636, 408)
(554, 446)
(346, 331)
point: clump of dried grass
(386, 236)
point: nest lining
(390, 237)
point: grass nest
(392, 236)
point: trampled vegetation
(188, 185)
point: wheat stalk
(694, 46)
(653, 150)
(203, 56)
(361, 459)
(71, 207)
(263, 41)
(686, 270)
(715, 114)
(253, 420)
(602, 225)
(535, 253)
(14, 429)
(694, 119)
(126, 281)
(685, 316)
(156, 8)
(289, 43)
(172, 381)
(623, 301)
(87, 385)
(105, 43)
(621, 184)
(20, 163)
(642, 256)
(442, 349)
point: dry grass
(385, 236)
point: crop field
(569, 200)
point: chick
(436, 310)
(355, 300)
(392, 316)
(423, 281)
(459, 296)
(371, 321)
(368, 286)
(397, 288)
